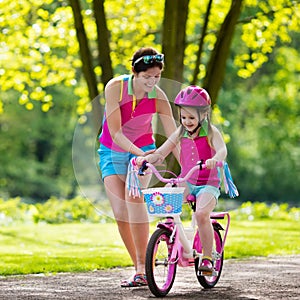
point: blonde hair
(199, 110)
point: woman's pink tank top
(136, 120)
(193, 150)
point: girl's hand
(210, 163)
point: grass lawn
(45, 248)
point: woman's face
(146, 80)
(190, 118)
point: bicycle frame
(179, 238)
(174, 224)
(182, 250)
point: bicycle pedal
(205, 273)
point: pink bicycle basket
(164, 201)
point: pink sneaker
(206, 265)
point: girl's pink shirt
(136, 121)
(193, 150)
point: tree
(174, 37)
(40, 51)
(217, 63)
(82, 44)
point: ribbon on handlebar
(133, 182)
(229, 185)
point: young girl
(198, 140)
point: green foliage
(53, 211)
(41, 51)
(82, 210)
(261, 211)
(271, 23)
(35, 147)
(36, 50)
(40, 69)
(264, 119)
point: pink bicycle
(172, 244)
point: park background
(57, 56)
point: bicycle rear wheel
(160, 271)
(209, 282)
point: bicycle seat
(190, 198)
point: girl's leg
(206, 202)
(115, 190)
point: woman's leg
(115, 190)
(139, 225)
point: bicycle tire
(209, 282)
(159, 271)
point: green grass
(262, 238)
(49, 248)
(46, 248)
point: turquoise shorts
(197, 190)
(115, 162)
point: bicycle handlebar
(200, 165)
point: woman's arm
(113, 116)
(164, 111)
(162, 152)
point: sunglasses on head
(149, 59)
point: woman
(131, 102)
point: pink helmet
(193, 96)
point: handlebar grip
(219, 164)
(143, 168)
(203, 166)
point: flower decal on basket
(158, 198)
(168, 208)
(151, 209)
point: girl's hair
(141, 66)
(199, 110)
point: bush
(79, 210)
(260, 210)
(53, 211)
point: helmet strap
(202, 122)
(190, 133)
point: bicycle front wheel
(209, 282)
(160, 271)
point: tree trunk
(201, 43)
(103, 42)
(86, 58)
(173, 46)
(217, 64)
(174, 34)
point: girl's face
(190, 118)
(146, 80)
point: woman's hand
(139, 160)
(151, 157)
